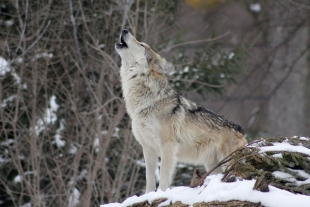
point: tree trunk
(288, 106)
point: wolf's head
(135, 54)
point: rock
(283, 168)
(233, 203)
(155, 203)
(251, 163)
(197, 179)
(262, 183)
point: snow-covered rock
(287, 159)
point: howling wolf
(166, 124)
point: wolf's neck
(142, 90)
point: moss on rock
(290, 169)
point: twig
(202, 83)
(75, 34)
(24, 24)
(105, 55)
(127, 7)
(35, 42)
(194, 42)
(222, 162)
(280, 83)
(225, 160)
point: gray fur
(166, 124)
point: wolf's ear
(165, 66)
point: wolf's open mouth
(122, 43)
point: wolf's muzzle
(125, 31)
(122, 43)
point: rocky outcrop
(233, 203)
(282, 162)
(285, 158)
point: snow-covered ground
(215, 190)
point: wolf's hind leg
(151, 158)
(211, 163)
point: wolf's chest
(146, 132)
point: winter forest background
(65, 137)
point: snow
(4, 160)
(83, 174)
(231, 55)
(73, 149)
(58, 140)
(74, 197)
(101, 46)
(50, 117)
(19, 179)
(4, 66)
(285, 147)
(279, 155)
(186, 69)
(7, 100)
(27, 205)
(96, 145)
(44, 55)
(290, 178)
(301, 173)
(50, 113)
(215, 190)
(9, 23)
(16, 77)
(284, 176)
(255, 7)
(116, 133)
(19, 60)
(8, 142)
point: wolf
(166, 124)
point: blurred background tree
(65, 138)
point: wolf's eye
(142, 45)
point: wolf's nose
(125, 31)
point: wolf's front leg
(168, 161)
(151, 158)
